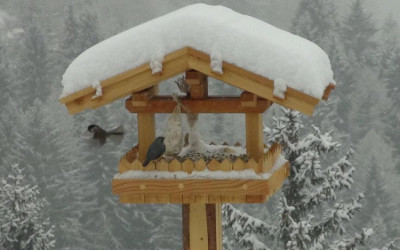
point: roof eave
(177, 62)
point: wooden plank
(214, 226)
(146, 133)
(254, 136)
(248, 99)
(327, 91)
(198, 227)
(124, 165)
(200, 165)
(256, 198)
(177, 62)
(174, 165)
(142, 97)
(132, 198)
(156, 198)
(185, 227)
(214, 104)
(188, 166)
(218, 226)
(198, 84)
(253, 83)
(190, 186)
(122, 76)
(129, 85)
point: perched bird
(100, 135)
(156, 150)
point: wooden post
(146, 121)
(202, 226)
(198, 84)
(254, 135)
(146, 133)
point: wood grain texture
(254, 137)
(146, 133)
(212, 104)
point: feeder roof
(226, 37)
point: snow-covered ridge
(205, 174)
(216, 30)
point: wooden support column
(198, 84)
(254, 135)
(146, 122)
(202, 226)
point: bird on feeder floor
(156, 150)
(100, 135)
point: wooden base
(202, 226)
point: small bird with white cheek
(100, 135)
(156, 150)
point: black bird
(100, 135)
(156, 150)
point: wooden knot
(244, 187)
(181, 186)
(142, 186)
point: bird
(156, 150)
(100, 135)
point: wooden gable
(177, 62)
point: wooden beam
(146, 133)
(185, 227)
(215, 104)
(254, 136)
(327, 91)
(198, 84)
(253, 83)
(125, 86)
(180, 61)
(198, 227)
(248, 99)
(202, 226)
(141, 98)
(190, 186)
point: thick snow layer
(205, 174)
(216, 30)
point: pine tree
(358, 33)
(45, 147)
(309, 214)
(21, 222)
(390, 75)
(317, 21)
(379, 211)
(33, 65)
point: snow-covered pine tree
(248, 232)
(309, 216)
(21, 222)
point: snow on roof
(225, 35)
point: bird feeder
(201, 198)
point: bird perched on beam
(156, 150)
(100, 135)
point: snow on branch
(21, 223)
(246, 228)
(351, 244)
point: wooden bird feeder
(201, 199)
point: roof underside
(175, 63)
